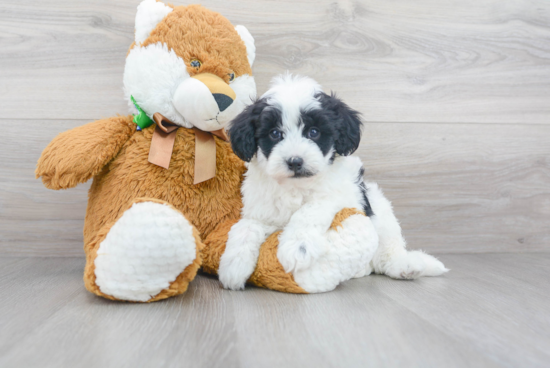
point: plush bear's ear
(348, 123)
(249, 43)
(149, 14)
(242, 131)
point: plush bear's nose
(295, 163)
(223, 101)
(203, 100)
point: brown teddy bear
(166, 184)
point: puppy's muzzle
(295, 164)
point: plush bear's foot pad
(351, 248)
(144, 252)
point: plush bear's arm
(75, 156)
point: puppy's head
(295, 130)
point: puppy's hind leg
(392, 257)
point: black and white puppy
(297, 141)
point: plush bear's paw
(413, 265)
(298, 250)
(144, 252)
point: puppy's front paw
(297, 251)
(241, 253)
(234, 271)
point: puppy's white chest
(285, 204)
(293, 200)
(269, 202)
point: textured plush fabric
(79, 154)
(129, 179)
(194, 32)
(115, 155)
(144, 252)
(268, 273)
(130, 176)
(178, 286)
(342, 215)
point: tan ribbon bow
(162, 146)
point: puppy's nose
(222, 100)
(295, 163)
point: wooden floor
(490, 310)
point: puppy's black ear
(243, 130)
(348, 123)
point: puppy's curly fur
(298, 141)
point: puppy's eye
(231, 77)
(275, 135)
(195, 63)
(313, 133)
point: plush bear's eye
(313, 133)
(231, 77)
(195, 63)
(275, 135)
